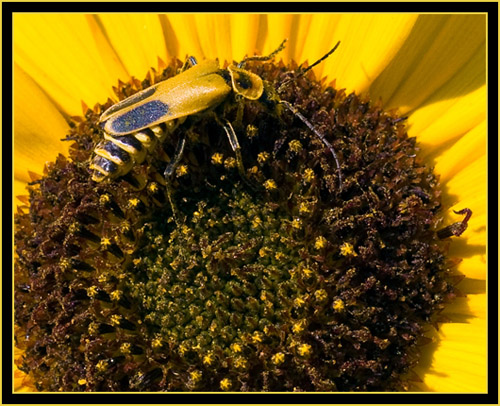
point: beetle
(133, 126)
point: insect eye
(244, 82)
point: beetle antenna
(318, 134)
(302, 72)
(263, 58)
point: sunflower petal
(58, 51)
(38, 127)
(244, 34)
(466, 150)
(464, 96)
(320, 38)
(438, 48)
(279, 27)
(362, 55)
(467, 188)
(186, 31)
(459, 362)
(137, 39)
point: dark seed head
(281, 282)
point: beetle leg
(189, 63)
(235, 145)
(169, 171)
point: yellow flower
(429, 67)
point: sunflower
(428, 68)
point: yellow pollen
(73, 227)
(217, 158)
(156, 343)
(133, 203)
(115, 319)
(279, 256)
(181, 170)
(116, 294)
(299, 302)
(240, 362)
(338, 305)
(252, 131)
(236, 347)
(295, 145)
(93, 328)
(182, 349)
(304, 208)
(304, 350)
(299, 327)
(347, 250)
(264, 252)
(307, 272)
(125, 348)
(208, 359)
(270, 184)
(102, 365)
(92, 291)
(321, 295)
(263, 157)
(82, 381)
(278, 358)
(105, 242)
(225, 384)
(64, 263)
(230, 163)
(103, 199)
(257, 337)
(309, 175)
(195, 376)
(153, 187)
(256, 222)
(320, 243)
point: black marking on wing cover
(140, 117)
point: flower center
(275, 279)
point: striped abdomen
(117, 155)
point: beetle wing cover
(189, 92)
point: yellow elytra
(133, 126)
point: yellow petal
(58, 51)
(438, 48)
(368, 44)
(466, 150)
(467, 188)
(186, 32)
(459, 363)
(137, 39)
(214, 32)
(298, 34)
(19, 189)
(435, 123)
(321, 37)
(38, 127)
(279, 27)
(244, 34)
